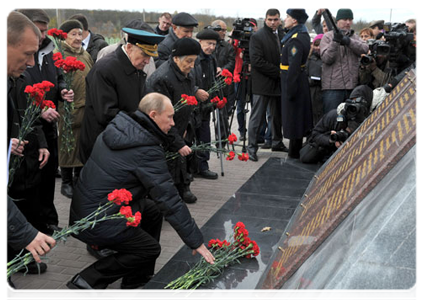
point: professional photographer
(340, 50)
(374, 67)
(334, 129)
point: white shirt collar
(86, 41)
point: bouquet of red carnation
(220, 103)
(117, 197)
(36, 103)
(69, 65)
(225, 79)
(185, 100)
(225, 252)
(57, 36)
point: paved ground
(71, 257)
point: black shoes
(188, 196)
(280, 147)
(252, 156)
(34, 268)
(126, 284)
(266, 146)
(207, 174)
(80, 286)
(67, 190)
(99, 254)
(9, 288)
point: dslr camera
(339, 136)
(355, 109)
(376, 47)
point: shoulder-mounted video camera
(243, 29)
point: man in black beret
(205, 76)
(182, 26)
(115, 83)
(173, 79)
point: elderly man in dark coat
(182, 27)
(115, 83)
(297, 115)
(129, 154)
(173, 79)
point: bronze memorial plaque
(341, 184)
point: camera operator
(340, 51)
(334, 129)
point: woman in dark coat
(173, 79)
(297, 118)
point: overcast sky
(395, 14)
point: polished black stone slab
(267, 199)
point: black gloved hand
(337, 37)
(341, 39)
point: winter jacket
(129, 154)
(171, 82)
(95, 44)
(78, 86)
(165, 48)
(112, 85)
(265, 60)
(340, 63)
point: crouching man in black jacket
(129, 154)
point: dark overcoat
(265, 60)
(297, 115)
(113, 84)
(129, 154)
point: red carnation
(243, 157)
(57, 56)
(135, 220)
(120, 196)
(232, 138)
(126, 211)
(231, 155)
(49, 104)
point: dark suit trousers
(135, 258)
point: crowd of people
(124, 121)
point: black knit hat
(186, 46)
(344, 13)
(208, 34)
(298, 14)
(69, 25)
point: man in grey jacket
(340, 53)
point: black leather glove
(341, 39)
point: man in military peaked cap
(115, 83)
(182, 26)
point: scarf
(292, 31)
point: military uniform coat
(71, 160)
(113, 84)
(297, 116)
